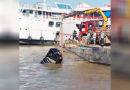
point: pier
(93, 54)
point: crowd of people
(95, 38)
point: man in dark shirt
(75, 35)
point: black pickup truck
(53, 56)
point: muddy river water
(73, 74)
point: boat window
(36, 13)
(26, 12)
(43, 13)
(58, 24)
(49, 13)
(51, 23)
(31, 11)
(39, 13)
(56, 13)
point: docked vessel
(41, 22)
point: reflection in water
(73, 74)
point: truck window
(83, 25)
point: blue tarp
(107, 13)
(64, 6)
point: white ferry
(41, 22)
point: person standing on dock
(90, 28)
(74, 35)
(94, 38)
(88, 38)
(102, 38)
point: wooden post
(61, 29)
(61, 33)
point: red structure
(85, 26)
